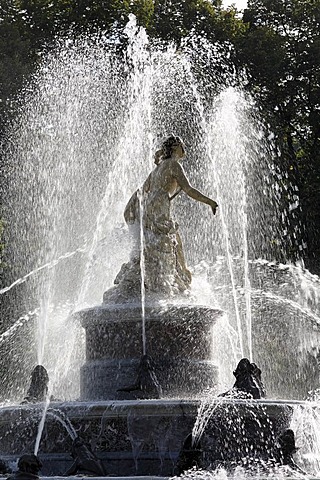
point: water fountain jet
(134, 436)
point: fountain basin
(178, 338)
(130, 437)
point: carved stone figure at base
(248, 380)
(29, 467)
(146, 384)
(286, 449)
(85, 461)
(38, 389)
(4, 469)
(166, 273)
(190, 456)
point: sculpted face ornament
(85, 460)
(248, 381)
(38, 389)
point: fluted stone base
(178, 338)
(101, 379)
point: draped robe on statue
(165, 271)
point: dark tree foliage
(174, 19)
(15, 65)
(15, 62)
(281, 49)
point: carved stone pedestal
(178, 338)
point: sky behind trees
(240, 4)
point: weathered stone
(85, 461)
(178, 338)
(38, 389)
(243, 429)
(140, 437)
(159, 253)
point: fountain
(114, 331)
(158, 349)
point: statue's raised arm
(184, 184)
(164, 182)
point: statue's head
(40, 375)
(244, 367)
(38, 388)
(39, 383)
(173, 146)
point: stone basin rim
(149, 477)
(84, 477)
(154, 477)
(165, 478)
(149, 307)
(132, 313)
(165, 402)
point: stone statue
(85, 461)
(4, 468)
(166, 273)
(146, 384)
(190, 456)
(28, 468)
(248, 380)
(38, 389)
(286, 449)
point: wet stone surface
(129, 437)
(179, 340)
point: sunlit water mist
(90, 122)
(41, 426)
(142, 274)
(306, 425)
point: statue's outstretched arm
(183, 182)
